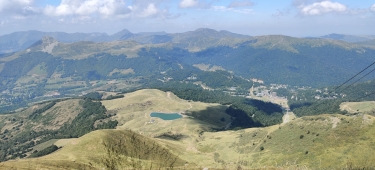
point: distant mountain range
(273, 58)
(349, 38)
(21, 40)
(213, 59)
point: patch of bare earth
(334, 121)
(367, 120)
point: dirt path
(288, 116)
(169, 94)
(190, 106)
(346, 106)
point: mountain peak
(46, 44)
(334, 36)
(48, 40)
(124, 31)
(123, 34)
(206, 30)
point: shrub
(261, 148)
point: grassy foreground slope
(317, 142)
(311, 142)
(108, 149)
(324, 141)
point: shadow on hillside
(224, 117)
(213, 115)
(300, 104)
(267, 107)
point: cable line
(365, 96)
(358, 80)
(355, 76)
(349, 85)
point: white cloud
(149, 11)
(17, 7)
(87, 7)
(6, 4)
(373, 8)
(244, 3)
(319, 8)
(221, 8)
(224, 9)
(188, 3)
(109, 8)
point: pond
(166, 116)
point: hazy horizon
(192, 30)
(297, 18)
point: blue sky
(252, 17)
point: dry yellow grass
(133, 111)
(63, 142)
(358, 107)
(313, 142)
(89, 152)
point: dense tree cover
(328, 106)
(93, 96)
(84, 122)
(45, 151)
(331, 98)
(241, 119)
(111, 97)
(318, 66)
(359, 91)
(283, 92)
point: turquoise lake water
(166, 116)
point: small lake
(166, 116)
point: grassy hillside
(325, 141)
(313, 142)
(358, 107)
(318, 142)
(133, 112)
(109, 149)
(21, 131)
